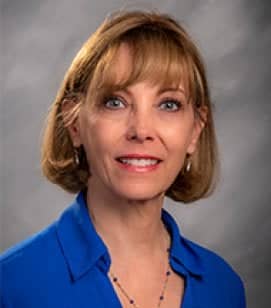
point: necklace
(130, 299)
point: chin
(140, 193)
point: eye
(170, 105)
(113, 103)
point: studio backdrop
(39, 38)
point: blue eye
(113, 103)
(170, 105)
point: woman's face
(136, 140)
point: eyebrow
(161, 91)
(171, 90)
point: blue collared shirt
(66, 266)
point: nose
(140, 127)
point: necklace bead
(131, 301)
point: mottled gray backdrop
(38, 41)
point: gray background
(39, 40)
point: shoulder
(29, 257)
(31, 268)
(219, 274)
(197, 258)
(212, 273)
(212, 262)
(33, 245)
(40, 245)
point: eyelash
(177, 103)
(110, 99)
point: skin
(126, 206)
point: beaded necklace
(130, 299)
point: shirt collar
(83, 247)
(182, 250)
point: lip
(139, 155)
(138, 169)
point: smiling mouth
(139, 162)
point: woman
(131, 124)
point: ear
(70, 112)
(199, 123)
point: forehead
(160, 61)
(122, 64)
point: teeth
(139, 162)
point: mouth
(139, 162)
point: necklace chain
(130, 299)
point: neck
(132, 227)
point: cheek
(177, 150)
(178, 136)
(98, 138)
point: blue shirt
(66, 266)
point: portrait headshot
(135, 150)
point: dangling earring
(188, 166)
(76, 156)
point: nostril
(141, 134)
(139, 137)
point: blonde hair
(162, 52)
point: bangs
(156, 56)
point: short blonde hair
(162, 52)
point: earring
(76, 156)
(188, 166)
